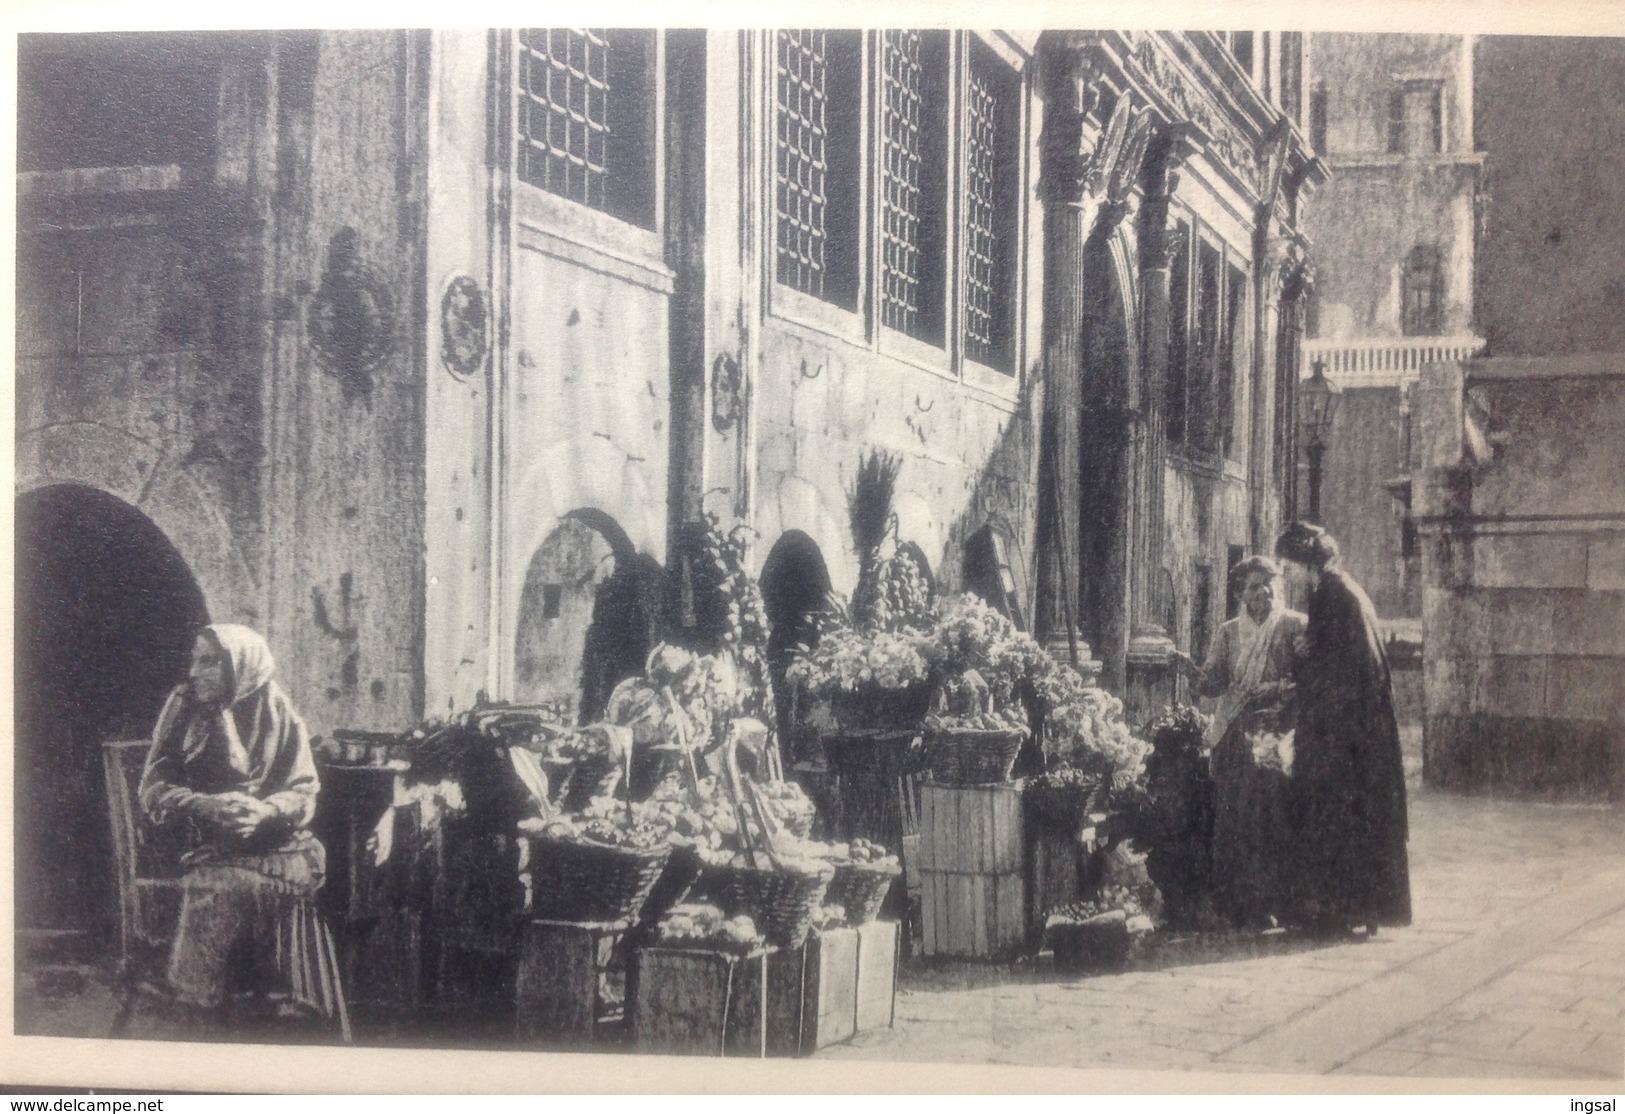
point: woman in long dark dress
(1348, 780)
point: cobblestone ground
(1513, 970)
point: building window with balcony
(992, 167)
(914, 183)
(586, 117)
(1416, 118)
(1422, 292)
(818, 78)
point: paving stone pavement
(1514, 969)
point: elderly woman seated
(231, 769)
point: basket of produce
(781, 900)
(1096, 935)
(1063, 799)
(864, 875)
(969, 739)
(594, 866)
(978, 750)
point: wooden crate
(973, 916)
(558, 988)
(811, 994)
(976, 830)
(876, 990)
(695, 1002)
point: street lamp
(1317, 407)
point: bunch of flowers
(1084, 729)
(849, 659)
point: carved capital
(1073, 92)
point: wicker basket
(781, 902)
(1061, 807)
(966, 756)
(861, 889)
(576, 881)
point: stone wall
(1523, 522)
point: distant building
(1395, 236)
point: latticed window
(992, 120)
(1423, 288)
(913, 138)
(817, 78)
(586, 117)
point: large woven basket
(782, 903)
(861, 889)
(966, 756)
(577, 881)
(1061, 807)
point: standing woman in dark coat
(1348, 780)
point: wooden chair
(150, 890)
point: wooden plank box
(693, 1002)
(876, 975)
(557, 992)
(973, 916)
(975, 830)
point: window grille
(991, 120)
(586, 117)
(563, 111)
(903, 153)
(803, 167)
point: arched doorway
(794, 584)
(1106, 483)
(106, 612)
(585, 615)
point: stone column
(1149, 662)
(1069, 135)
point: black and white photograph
(871, 547)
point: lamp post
(1318, 398)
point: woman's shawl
(1247, 654)
(256, 745)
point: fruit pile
(1114, 902)
(608, 823)
(787, 806)
(860, 851)
(693, 924)
(999, 719)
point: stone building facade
(420, 350)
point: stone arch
(144, 476)
(586, 617)
(107, 609)
(795, 582)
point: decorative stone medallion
(350, 320)
(464, 326)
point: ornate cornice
(1186, 100)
